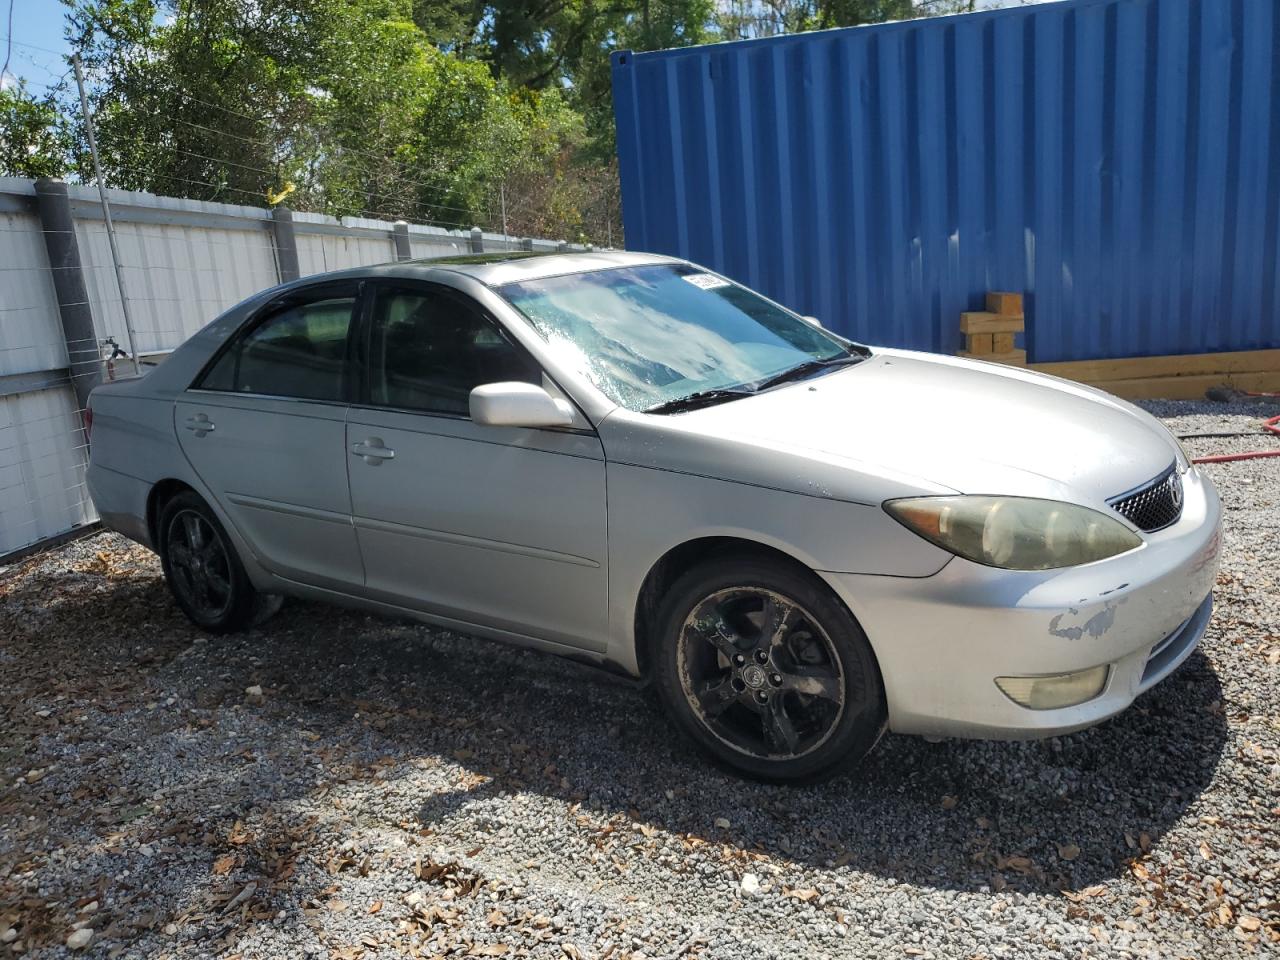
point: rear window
(299, 351)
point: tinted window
(298, 351)
(430, 349)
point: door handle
(200, 424)
(373, 451)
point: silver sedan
(798, 540)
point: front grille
(1154, 505)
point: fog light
(1053, 692)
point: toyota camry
(798, 540)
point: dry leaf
(488, 950)
(1205, 851)
(497, 918)
(983, 823)
(804, 895)
(374, 907)
(722, 823)
(1096, 890)
(1068, 851)
(949, 802)
(222, 866)
(1224, 914)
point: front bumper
(942, 640)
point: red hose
(1272, 425)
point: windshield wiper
(703, 398)
(809, 366)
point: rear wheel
(767, 671)
(202, 569)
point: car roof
(496, 269)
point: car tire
(766, 670)
(202, 569)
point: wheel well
(161, 493)
(675, 562)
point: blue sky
(39, 24)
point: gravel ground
(341, 786)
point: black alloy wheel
(768, 671)
(201, 566)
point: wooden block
(1001, 342)
(977, 322)
(1014, 358)
(979, 343)
(1004, 303)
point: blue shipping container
(1116, 160)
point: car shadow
(1051, 815)
(967, 815)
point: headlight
(1015, 533)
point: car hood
(907, 422)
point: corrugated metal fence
(184, 261)
(1117, 160)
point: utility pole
(106, 212)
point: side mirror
(518, 405)
(813, 320)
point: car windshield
(650, 337)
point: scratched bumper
(941, 641)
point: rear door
(264, 427)
(503, 526)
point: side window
(297, 351)
(429, 350)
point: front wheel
(201, 566)
(767, 671)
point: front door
(264, 428)
(501, 526)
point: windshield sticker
(704, 281)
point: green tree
(34, 139)
(345, 106)
(747, 19)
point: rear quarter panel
(132, 447)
